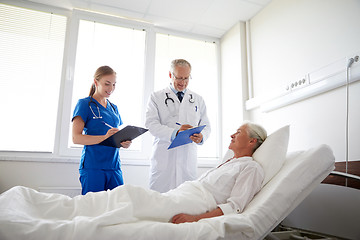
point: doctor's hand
(196, 137)
(126, 144)
(183, 128)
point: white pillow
(229, 154)
(272, 153)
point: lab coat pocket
(191, 160)
(193, 114)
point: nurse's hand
(125, 144)
(196, 137)
(111, 132)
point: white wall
(62, 174)
(234, 90)
(57, 174)
(291, 38)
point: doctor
(167, 108)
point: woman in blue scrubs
(95, 118)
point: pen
(178, 124)
(107, 124)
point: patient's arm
(182, 217)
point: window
(33, 70)
(123, 49)
(203, 59)
(31, 55)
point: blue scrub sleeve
(82, 110)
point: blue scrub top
(98, 156)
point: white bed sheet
(301, 172)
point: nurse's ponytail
(92, 90)
(100, 72)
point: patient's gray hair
(256, 131)
(179, 62)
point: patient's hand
(182, 217)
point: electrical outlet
(354, 58)
(300, 83)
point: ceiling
(204, 17)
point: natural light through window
(31, 55)
(203, 59)
(123, 50)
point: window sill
(51, 158)
(37, 157)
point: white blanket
(28, 214)
(129, 213)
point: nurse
(95, 118)
(175, 104)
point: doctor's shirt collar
(175, 91)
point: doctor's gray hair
(179, 62)
(256, 131)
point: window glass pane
(31, 55)
(123, 50)
(202, 57)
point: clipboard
(183, 137)
(127, 133)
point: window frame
(61, 151)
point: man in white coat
(173, 109)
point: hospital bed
(299, 174)
(331, 211)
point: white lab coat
(170, 168)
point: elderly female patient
(228, 188)
(233, 183)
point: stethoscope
(191, 99)
(98, 117)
